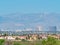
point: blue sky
(19, 14)
(29, 6)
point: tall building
(39, 28)
(52, 29)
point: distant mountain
(22, 21)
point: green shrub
(16, 43)
(49, 41)
(23, 40)
(17, 38)
(2, 41)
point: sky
(29, 14)
(29, 6)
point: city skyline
(29, 21)
(24, 14)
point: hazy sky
(19, 14)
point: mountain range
(26, 21)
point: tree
(49, 41)
(5, 34)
